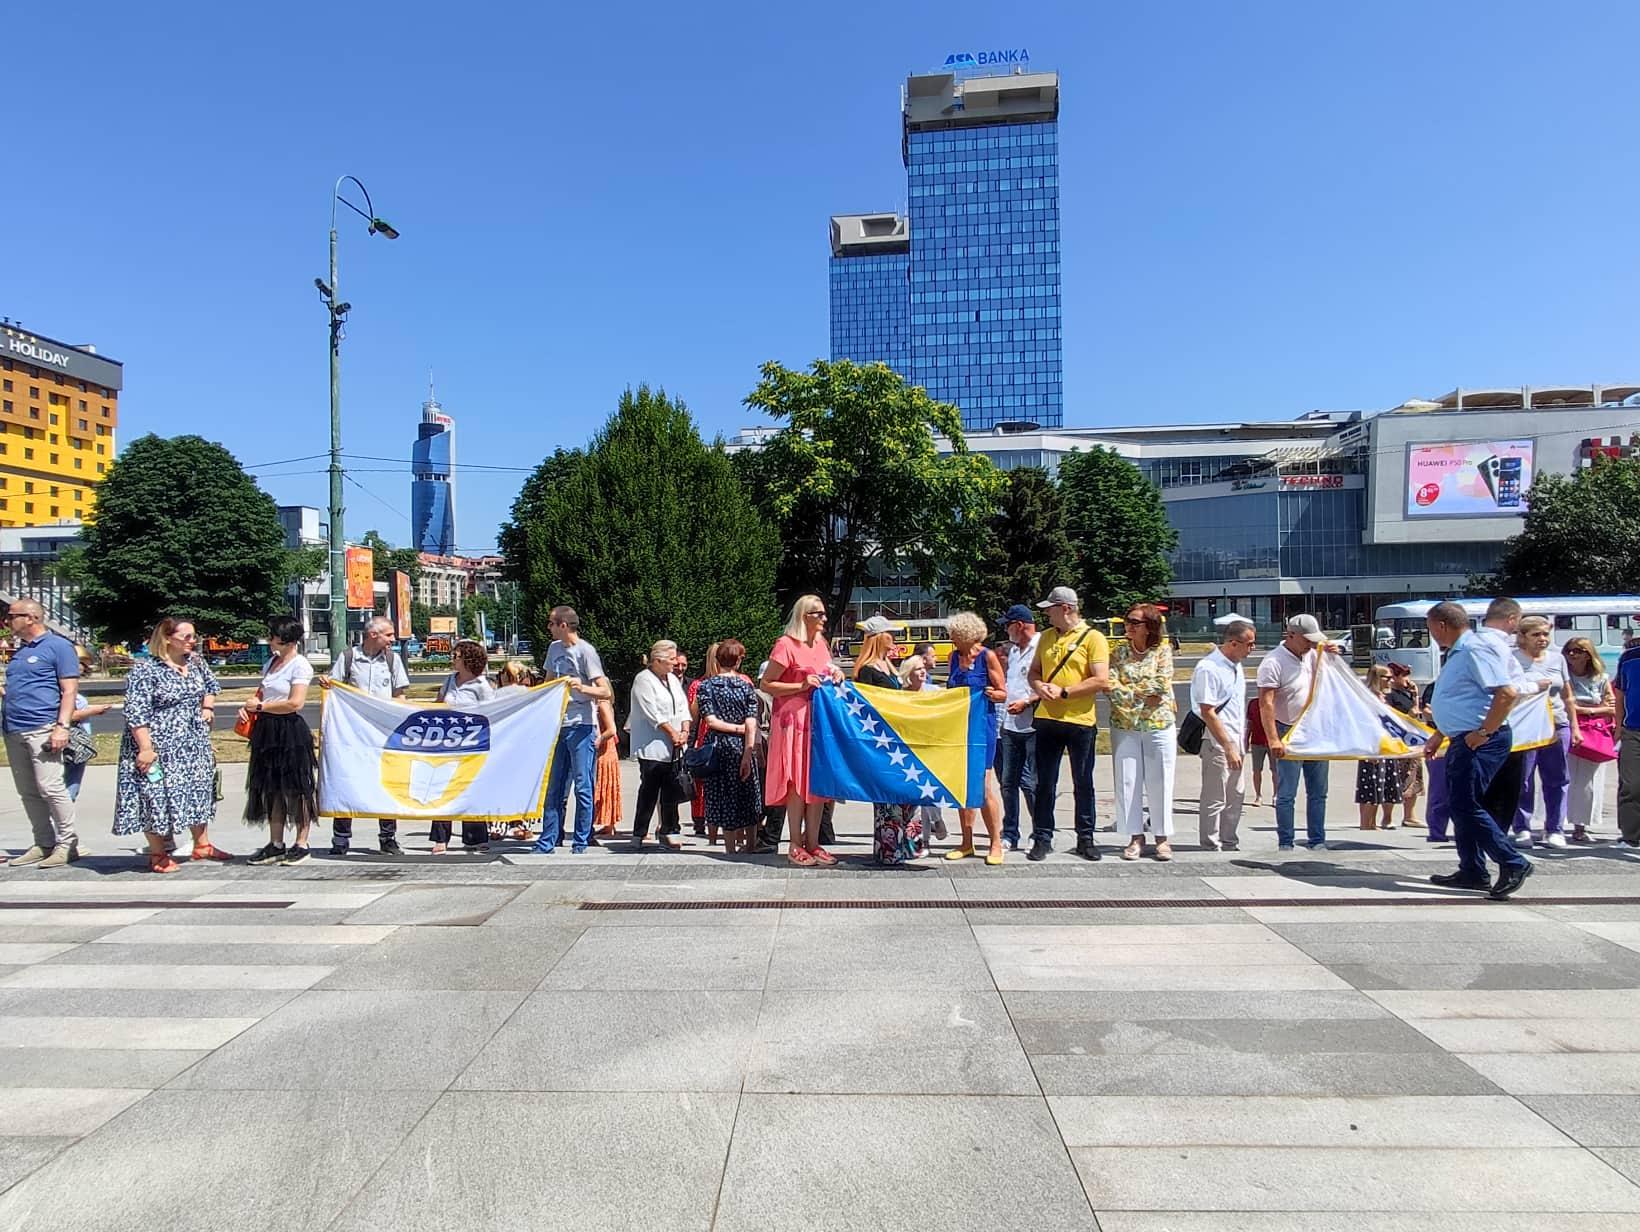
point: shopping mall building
(1335, 512)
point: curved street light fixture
(337, 309)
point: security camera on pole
(330, 293)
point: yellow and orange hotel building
(59, 406)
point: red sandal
(207, 851)
(800, 857)
(161, 862)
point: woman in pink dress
(799, 662)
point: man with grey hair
(1471, 704)
(1502, 798)
(372, 667)
(1218, 693)
(40, 686)
(1284, 680)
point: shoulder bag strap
(1067, 656)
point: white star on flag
(883, 742)
(869, 725)
(898, 757)
(912, 774)
(855, 706)
(929, 791)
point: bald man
(40, 687)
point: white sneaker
(1556, 839)
(1523, 839)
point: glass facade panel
(985, 305)
(1301, 534)
(870, 309)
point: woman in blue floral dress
(167, 768)
(728, 707)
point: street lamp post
(330, 292)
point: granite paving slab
(457, 958)
(1246, 1073)
(659, 957)
(1592, 1120)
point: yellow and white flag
(485, 761)
(1343, 721)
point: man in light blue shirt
(40, 687)
(1471, 711)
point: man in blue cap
(1016, 746)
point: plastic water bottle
(155, 774)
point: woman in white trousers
(1143, 739)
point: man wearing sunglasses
(40, 688)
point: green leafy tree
(1021, 553)
(181, 528)
(853, 478)
(1581, 535)
(1118, 529)
(305, 564)
(647, 534)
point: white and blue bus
(1606, 620)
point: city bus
(908, 633)
(1606, 620)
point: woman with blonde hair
(1379, 781)
(978, 669)
(660, 733)
(167, 767)
(469, 683)
(1547, 670)
(1592, 711)
(512, 677)
(799, 663)
(896, 830)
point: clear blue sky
(1266, 208)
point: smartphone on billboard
(1489, 475)
(1508, 490)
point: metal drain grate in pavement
(1059, 904)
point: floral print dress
(1134, 677)
(166, 701)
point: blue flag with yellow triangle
(885, 746)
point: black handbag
(680, 784)
(81, 747)
(702, 760)
(1191, 732)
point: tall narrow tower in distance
(432, 486)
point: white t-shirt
(1290, 676)
(1020, 659)
(1552, 667)
(1221, 684)
(279, 679)
(1505, 642)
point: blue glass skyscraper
(870, 280)
(982, 298)
(432, 490)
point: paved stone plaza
(1228, 1042)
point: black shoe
(1088, 849)
(1457, 881)
(336, 849)
(271, 854)
(593, 842)
(390, 847)
(1039, 850)
(1511, 880)
(296, 855)
(700, 831)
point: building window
(105, 412)
(82, 404)
(100, 449)
(54, 511)
(28, 506)
(101, 468)
(54, 461)
(8, 406)
(76, 460)
(34, 412)
(54, 440)
(28, 485)
(78, 495)
(6, 385)
(34, 391)
(85, 425)
(28, 455)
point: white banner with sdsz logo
(428, 760)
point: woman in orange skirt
(606, 786)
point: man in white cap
(1071, 669)
(1284, 680)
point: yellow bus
(908, 634)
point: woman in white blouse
(281, 783)
(660, 730)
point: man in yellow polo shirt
(1071, 669)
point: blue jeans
(1469, 772)
(1315, 796)
(577, 754)
(1054, 739)
(1016, 772)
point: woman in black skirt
(281, 786)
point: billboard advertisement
(1468, 479)
(441, 624)
(361, 578)
(401, 604)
